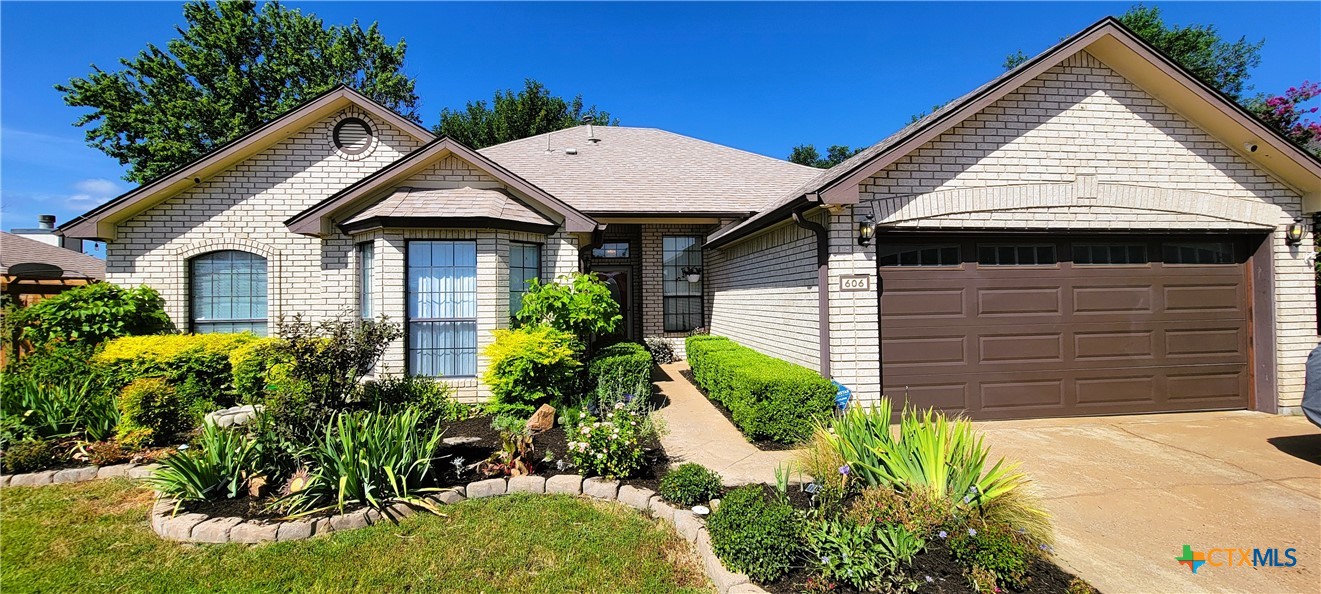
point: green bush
(620, 372)
(197, 366)
(71, 406)
(531, 366)
(55, 362)
(151, 405)
(768, 398)
(433, 399)
(219, 467)
(690, 484)
(30, 455)
(755, 534)
(996, 549)
(579, 304)
(94, 313)
(251, 363)
(868, 557)
(611, 447)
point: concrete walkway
(1128, 492)
(699, 433)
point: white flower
(584, 430)
(619, 406)
(183, 447)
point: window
(682, 256)
(918, 255)
(611, 250)
(1110, 253)
(228, 292)
(442, 308)
(1198, 252)
(353, 136)
(1015, 254)
(524, 265)
(366, 260)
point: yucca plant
(74, 407)
(369, 458)
(219, 467)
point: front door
(618, 279)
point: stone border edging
(191, 527)
(77, 475)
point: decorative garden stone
(600, 488)
(724, 579)
(661, 510)
(74, 475)
(215, 530)
(180, 527)
(294, 531)
(687, 524)
(114, 471)
(565, 484)
(635, 497)
(486, 488)
(541, 420)
(253, 533)
(527, 484)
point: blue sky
(761, 77)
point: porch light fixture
(1294, 234)
(692, 274)
(866, 230)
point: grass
(94, 537)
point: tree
(1013, 60)
(1286, 112)
(511, 116)
(806, 154)
(233, 68)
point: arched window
(227, 290)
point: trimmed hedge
(624, 367)
(768, 398)
(196, 366)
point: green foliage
(93, 313)
(1013, 60)
(620, 373)
(691, 484)
(196, 364)
(579, 304)
(219, 467)
(821, 460)
(531, 365)
(996, 549)
(372, 459)
(151, 405)
(768, 398)
(251, 363)
(56, 361)
(30, 455)
(433, 399)
(662, 352)
(755, 535)
(1078, 586)
(865, 556)
(233, 67)
(916, 510)
(72, 406)
(1287, 114)
(612, 446)
(512, 116)
(1199, 48)
(806, 154)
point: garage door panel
(1127, 300)
(1128, 390)
(1041, 301)
(1212, 384)
(924, 303)
(946, 396)
(1203, 298)
(1021, 348)
(918, 351)
(1202, 343)
(998, 396)
(1110, 346)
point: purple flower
(943, 534)
(972, 532)
(930, 580)
(966, 499)
(844, 470)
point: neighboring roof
(1112, 43)
(98, 223)
(23, 257)
(646, 170)
(433, 204)
(313, 220)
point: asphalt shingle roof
(15, 250)
(453, 203)
(647, 170)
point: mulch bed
(764, 445)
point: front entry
(619, 279)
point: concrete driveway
(1128, 492)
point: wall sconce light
(866, 230)
(1294, 234)
(692, 274)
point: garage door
(1015, 327)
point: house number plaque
(855, 282)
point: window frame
(1233, 253)
(409, 369)
(628, 250)
(195, 324)
(1144, 246)
(541, 263)
(1053, 246)
(365, 251)
(667, 298)
(920, 247)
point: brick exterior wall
(1080, 147)
(653, 299)
(764, 293)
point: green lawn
(94, 537)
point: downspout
(585, 253)
(822, 283)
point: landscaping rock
(372, 516)
(349, 521)
(74, 475)
(541, 420)
(399, 510)
(234, 416)
(180, 527)
(661, 510)
(293, 530)
(4, 480)
(32, 479)
(565, 484)
(322, 526)
(600, 488)
(748, 588)
(142, 472)
(449, 497)
(487, 488)
(460, 440)
(215, 530)
(527, 484)
(715, 505)
(635, 497)
(115, 471)
(253, 533)
(687, 524)
(724, 579)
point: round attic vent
(353, 136)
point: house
(1093, 232)
(34, 264)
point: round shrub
(250, 364)
(151, 404)
(916, 510)
(690, 484)
(996, 549)
(532, 365)
(30, 456)
(754, 534)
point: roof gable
(99, 222)
(364, 193)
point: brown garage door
(1015, 327)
